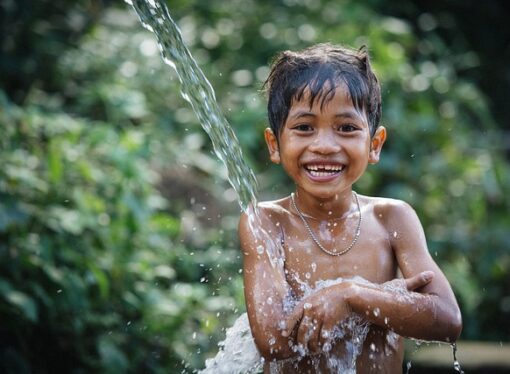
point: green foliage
(118, 250)
(89, 259)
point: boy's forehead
(327, 95)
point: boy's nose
(325, 143)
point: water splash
(238, 353)
(196, 89)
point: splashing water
(238, 353)
(196, 89)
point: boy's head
(320, 69)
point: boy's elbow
(456, 327)
(271, 345)
(272, 349)
(267, 352)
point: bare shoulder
(267, 215)
(259, 224)
(402, 225)
(273, 211)
(389, 212)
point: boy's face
(325, 147)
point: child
(324, 111)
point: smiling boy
(324, 111)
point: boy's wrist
(351, 294)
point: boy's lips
(323, 171)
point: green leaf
(23, 302)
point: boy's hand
(415, 282)
(419, 280)
(316, 316)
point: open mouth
(324, 170)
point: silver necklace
(314, 238)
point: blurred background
(118, 242)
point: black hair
(320, 69)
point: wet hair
(319, 70)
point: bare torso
(371, 258)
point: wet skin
(325, 149)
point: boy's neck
(335, 208)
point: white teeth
(324, 170)
(330, 168)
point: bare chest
(371, 257)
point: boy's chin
(323, 193)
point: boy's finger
(304, 332)
(292, 320)
(314, 342)
(419, 280)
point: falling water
(456, 363)
(196, 89)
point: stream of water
(196, 89)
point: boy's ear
(376, 144)
(272, 145)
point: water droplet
(269, 301)
(307, 306)
(456, 364)
(260, 249)
(308, 275)
(314, 266)
(377, 312)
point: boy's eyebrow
(302, 113)
(348, 114)
(306, 113)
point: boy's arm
(430, 314)
(265, 286)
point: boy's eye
(303, 127)
(349, 127)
